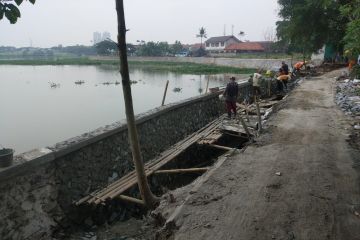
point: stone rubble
(348, 96)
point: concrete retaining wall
(232, 62)
(38, 191)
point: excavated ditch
(88, 218)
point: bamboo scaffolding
(129, 180)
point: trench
(85, 218)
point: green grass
(176, 67)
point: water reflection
(34, 114)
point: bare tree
(269, 35)
(149, 199)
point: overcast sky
(69, 22)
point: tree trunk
(146, 194)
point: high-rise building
(106, 36)
(96, 38)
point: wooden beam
(245, 126)
(221, 147)
(165, 91)
(131, 200)
(235, 135)
(186, 170)
(259, 116)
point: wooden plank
(186, 170)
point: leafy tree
(10, 10)
(154, 49)
(352, 36)
(131, 49)
(307, 25)
(106, 47)
(202, 34)
(177, 47)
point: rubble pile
(348, 96)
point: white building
(106, 36)
(218, 44)
(96, 38)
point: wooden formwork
(208, 135)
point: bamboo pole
(131, 200)
(146, 194)
(186, 170)
(165, 91)
(207, 84)
(245, 126)
(259, 116)
(221, 147)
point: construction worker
(299, 65)
(231, 94)
(285, 68)
(256, 84)
(282, 80)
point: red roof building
(245, 47)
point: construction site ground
(316, 195)
(299, 180)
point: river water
(33, 114)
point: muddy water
(33, 114)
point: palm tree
(202, 34)
(146, 194)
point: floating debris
(79, 82)
(177, 89)
(117, 83)
(133, 82)
(54, 85)
(106, 83)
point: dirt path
(317, 195)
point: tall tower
(96, 37)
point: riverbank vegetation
(176, 67)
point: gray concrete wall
(37, 192)
(232, 62)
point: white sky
(69, 22)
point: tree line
(307, 25)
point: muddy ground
(299, 180)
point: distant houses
(244, 47)
(230, 45)
(219, 44)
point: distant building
(106, 36)
(245, 47)
(96, 38)
(267, 45)
(218, 44)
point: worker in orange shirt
(282, 80)
(299, 65)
